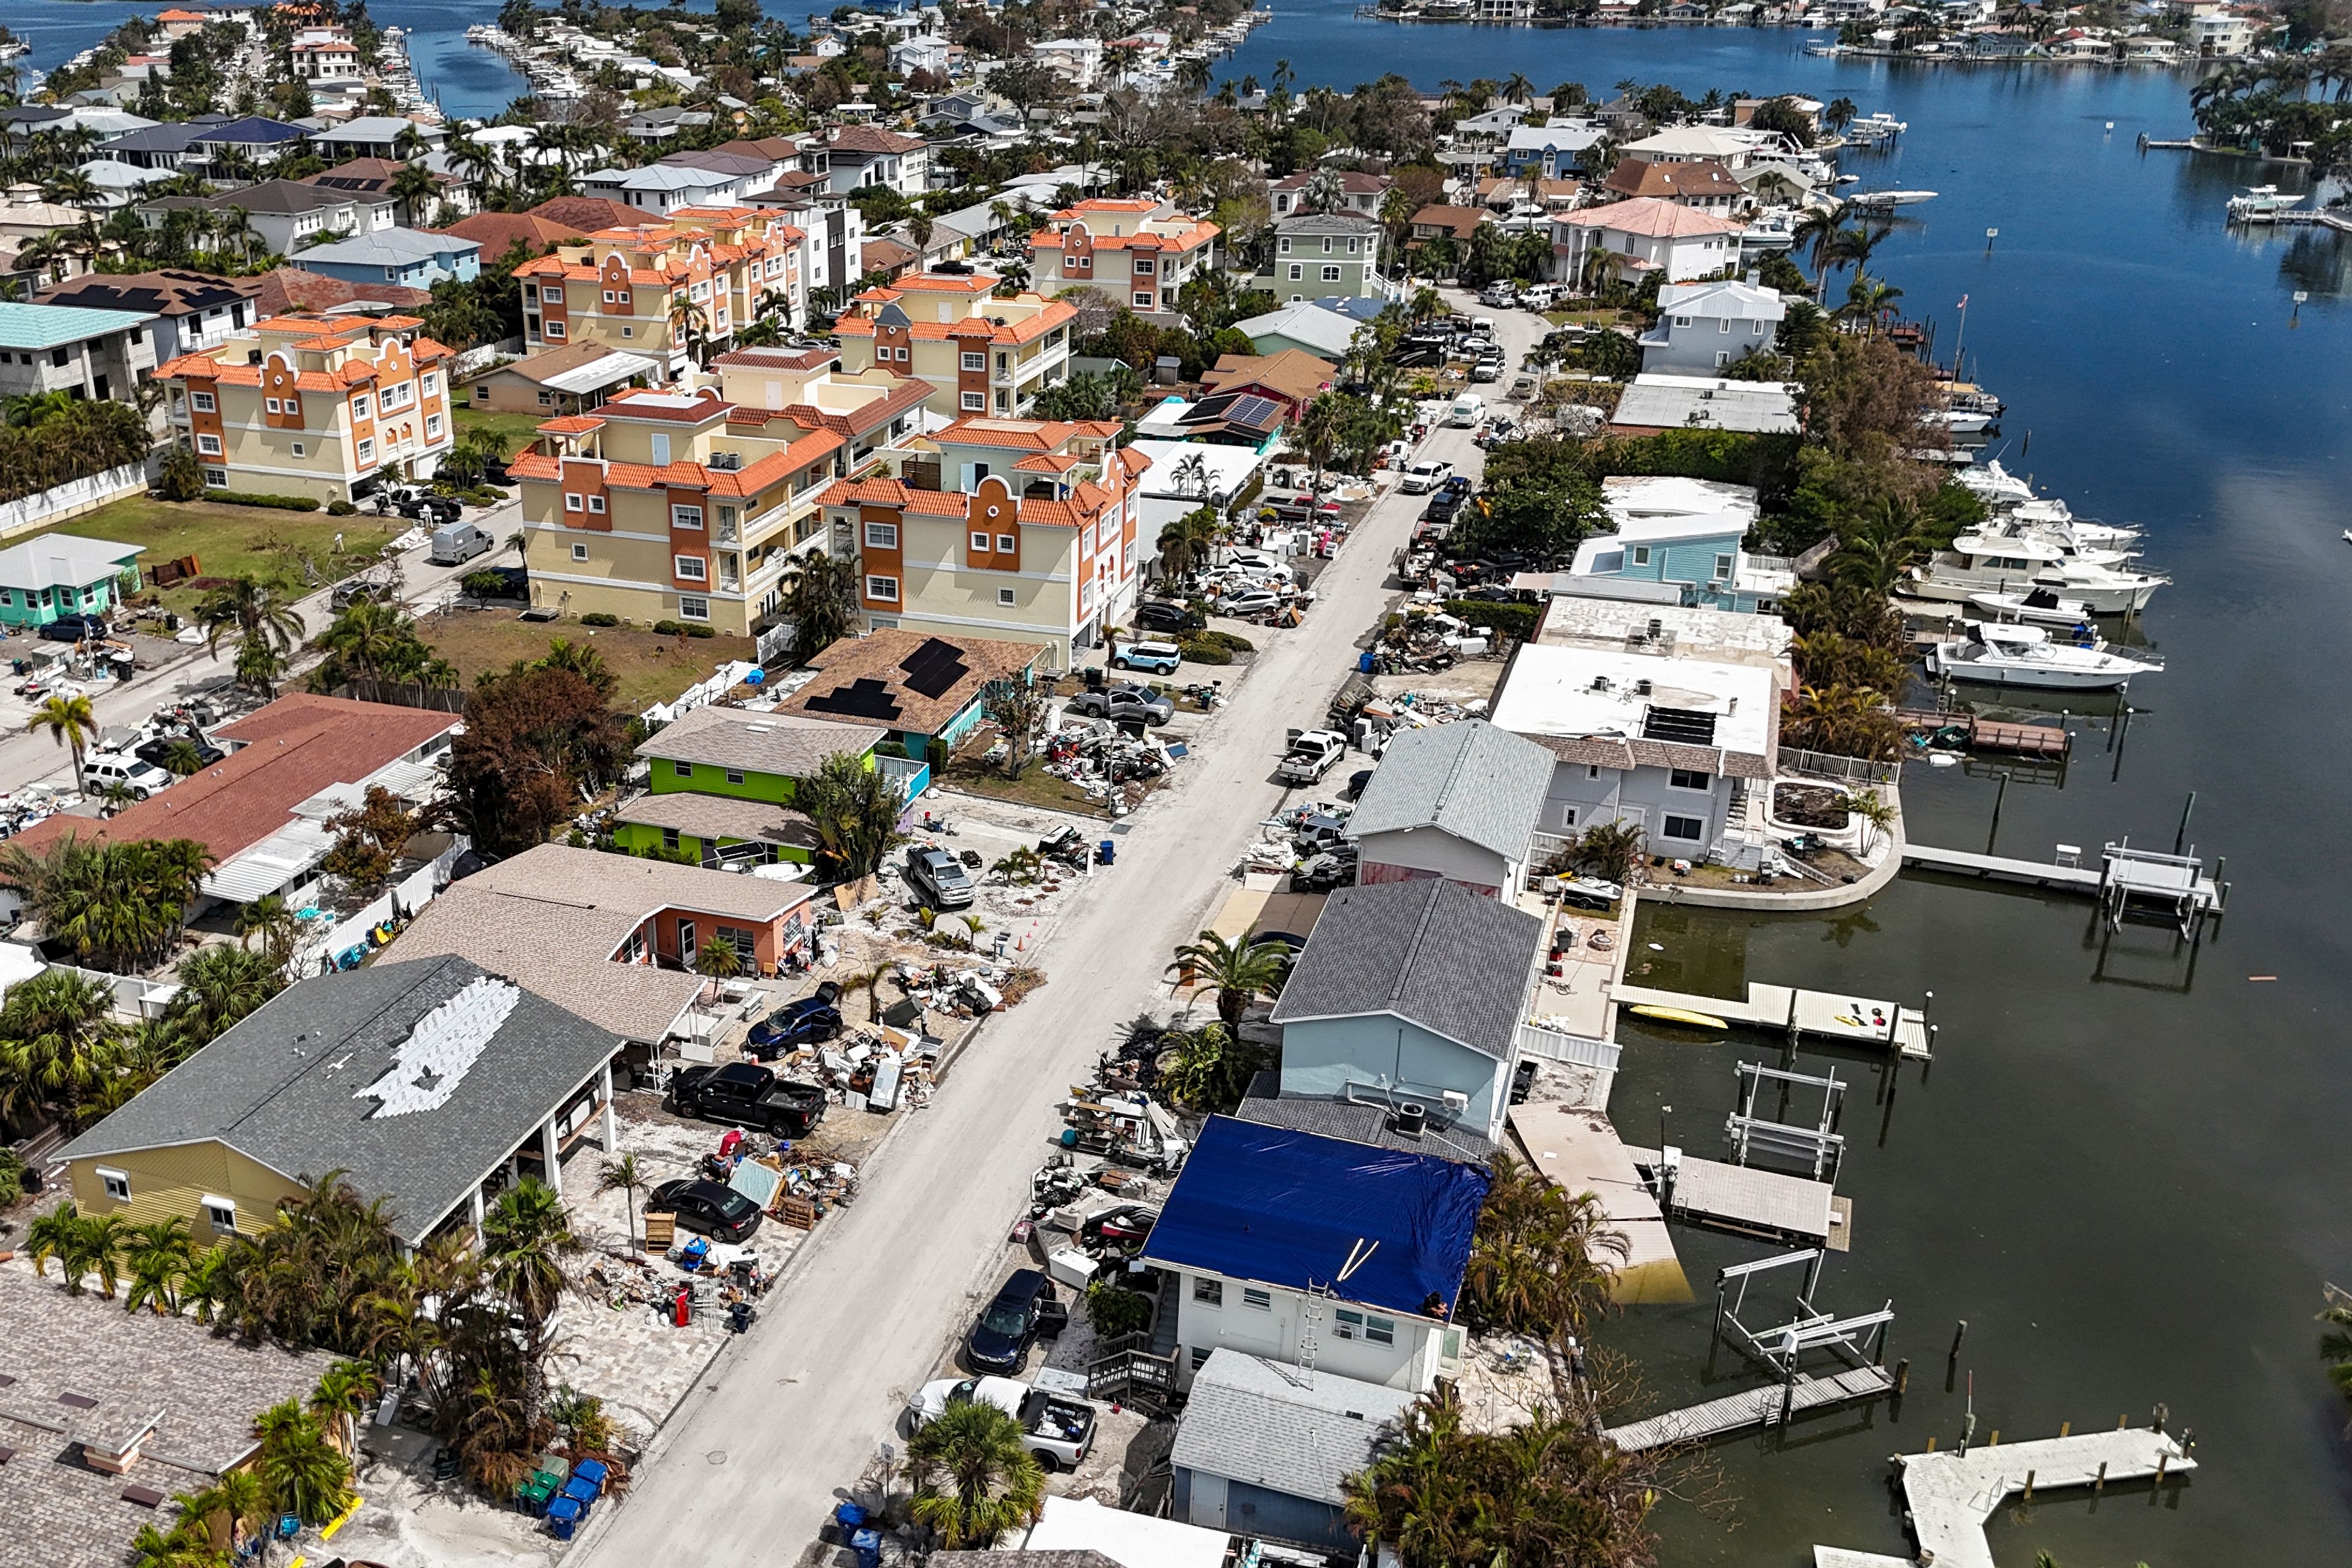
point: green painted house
(65, 575)
(722, 781)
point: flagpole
(1961, 343)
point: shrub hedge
(281, 503)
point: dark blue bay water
(2126, 1170)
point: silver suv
(937, 880)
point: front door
(686, 947)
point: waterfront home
(1692, 143)
(418, 1083)
(1701, 185)
(377, 136)
(1642, 236)
(65, 575)
(2220, 34)
(1670, 745)
(409, 258)
(1458, 801)
(1266, 1450)
(1319, 255)
(661, 188)
(1274, 1235)
(95, 354)
(1682, 532)
(1703, 327)
(1353, 191)
(1413, 993)
(375, 178)
(1656, 403)
(285, 216)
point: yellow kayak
(1678, 1015)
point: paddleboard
(1678, 1015)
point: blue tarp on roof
(1377, 1226)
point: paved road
(25, 758)
(750, 1465)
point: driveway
(793, 1411)
(25, 758)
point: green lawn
(295, 550)
(518, 430)
(652, 666)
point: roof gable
(1427, 951)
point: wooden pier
(1993, 735)
(1823, 1015)
(1951, 1495)
(1766, 1406)
(1746, 1200)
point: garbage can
(866, 1544)
(565, 1513)
(1107, 851)
(1367, 662)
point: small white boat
(1960, 421)
(2025, 656)
(2038, 607)
(1888, 198)
(2262, 203)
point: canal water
(2128, 1167)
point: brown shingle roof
(587, 214)
(1294, 373)
(1701, 177)
(290, 751)
(874, 664)
(721, 816)
(286, 291)
(1460, 222)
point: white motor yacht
(1978, 563)
(1960, 421)
(1995, 484)
(2262, 203)
(2026, 656)
(1888, 198)
(2040, 606)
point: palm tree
(1186, 542)
(1869, 301)
(158, 1253)
(627, 1176)
(525, 1238)
(269, 918)
(219, 987)
(1854, 247)
(974, 1477)
(821, 601)
(70, 722)
(855, 810)
(95, 1248)
(717, 959)
(1241, 971)
(58, 1040)
(51, 1235)
(265, 626)
(181, 758)
(870, 981)
(344, 1392)
(1320, 429)
(371, 638)
(1820, 228)
(304, 1473)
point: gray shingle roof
(1270, 1425)
(288, 1088)
(785, 744)
(1429, 951)
(1356, 1123)
(1474, 781)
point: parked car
(1487, 370)
(103, 771)
(1249, 602)
(1117, 702)
(156, 750)
(1425, 477)
(73, 628)
(1058, 1428)
(1026, 1310)
(719, 1213)
(747, 1094)
(1323, 874)
(937, 879)
(456, 543)
(1356, 783)
(1311, 755)
(1153, 657)
(1161, 615)
(811, 1021)
(1256, 561)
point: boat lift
(2175, 883)
(1860, 1341)
(1748, 1133)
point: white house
(1702, 327)
(1645, 234)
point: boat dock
(2063, 872)
(1766, 1406)
(1951, 1495)
(1993, 735)
(1823, 1015)
(2124, 878)
(1752, 1201)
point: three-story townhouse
(980, 352)
(1139, 252)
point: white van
(1467, 410)
(457, 544)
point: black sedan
(719, 1213)
(1159, 616)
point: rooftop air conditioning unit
(1641, 688)
(1410, 1121)
(728, 460)
(1599, 683)
(1657, 628)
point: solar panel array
(443, 1047)
(865, 698)
(1686, 726)
(935, 667)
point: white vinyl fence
(316, 954)
(71, 499)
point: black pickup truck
(748, 1095)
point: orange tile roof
(946, 283)
(897, 495)
(1036, 434)
(572, 424)
(731, 483)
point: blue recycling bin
(564, 1517)
(593, 1471)
(866, 1544)
(582, 1490)
(1107, 851)
(1367, 662)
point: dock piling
(1903, 1375)
(2029, 1486)
(1958, 1334)
(2101, 1484)
(2181, 836)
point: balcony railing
(910, 776)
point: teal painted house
(65, 575)
(722, 782)
(1687, 535)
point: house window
(1285, 245)
(570, 501)
(980, 543)
(734, 775)
(432, 426)
(691, 609)
(221, 1213)
(1331, 274)
(1208, 1292)
(209, 445)
(628, 332)
(1690, 778)
(216, 477)
(1641, 555)
(608, 296)
(682, 770)
(1200, 1356)
(1689, 829)
(59, 357)
(597, 505)
(1682, 320)
(272, 405)
(1380, 1330)
(693, 568)
(671, 838)
(202, 402)
(881, 536)
(580, 552)
(883, 588)
(686, 517)
(1723, 568)
(118, 1184)
(360, 406)
(1143, 299)
(1004, 598)
(1297, 272)
(1006, 544)
(431, 381)
(300, 450)
(553, 328)
(973, 362)
(550, 293)
(1257, 1300)
(975, 402)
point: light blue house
(1687, 535)
(1548, 151)
(407, 256)
(1412, 994)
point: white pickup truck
(1057, 1427)
(1313, 753)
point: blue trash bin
(1107, 851)
(867, 1542)
(1367, 662)
(564, 1517)
(593, 1471)
(582, 1490)
(849, 1516)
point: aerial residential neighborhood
(1172, 785)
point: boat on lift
(2262, 203)
(1999, 655)
(1875, 199)
(1978, 563)
(2034, 606)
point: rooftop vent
(1641, 688)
